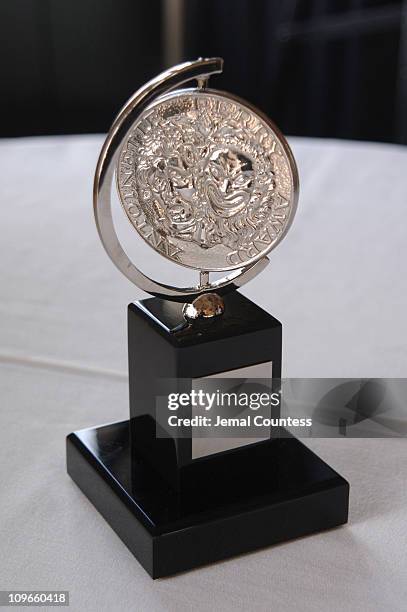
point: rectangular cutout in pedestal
(205, 447)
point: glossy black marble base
(293, 493)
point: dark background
(331, 68)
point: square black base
(296, 495)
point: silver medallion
(207, 180)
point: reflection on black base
(291, 493)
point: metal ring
(104, 178)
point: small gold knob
(205, 306)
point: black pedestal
(293, 493)
(176, 508)
(166, 354)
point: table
(338, 284)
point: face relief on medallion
(206, 181)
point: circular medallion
(207, 181)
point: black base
(293, 493)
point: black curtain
(329, 68)
(67, 66)
(318, 67)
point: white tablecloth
(338, 284)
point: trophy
(210, 183)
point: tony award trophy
(209, 183)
